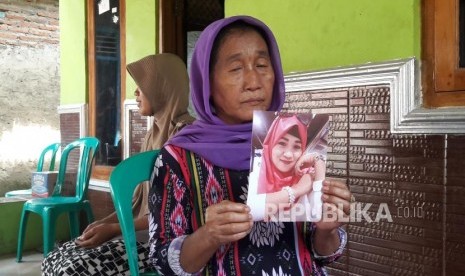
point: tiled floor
(29, 266)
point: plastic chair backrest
(123, 180)
(88, 148)
(52, 148)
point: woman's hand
(92, 225)
(227, 222)
(312, 163)
(305, 162)
(309, 163)
(336, 205)
(97, 234)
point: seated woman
(199, 222)
(162, 92)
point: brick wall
(137, 131)
(29, 87)
(29, 22)
(70, 131)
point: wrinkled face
(143, 103)
(286, 152)
(242, 79)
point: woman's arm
(98, 234)
(170, 215)
(111, 218)
(336, 205)
(326, 242)
(175, 247)
(140, 223)
(104, 232)
(330, 255)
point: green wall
(321, 34)
(140, 41)
(10, 216)
(312, 34)
(73, 80)
(140, 35)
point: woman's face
(143, 103)
(242, 79)
(286, 152)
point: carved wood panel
(418, 179)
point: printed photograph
(288, 166)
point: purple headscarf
(227, 146)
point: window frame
(102, 172)
(443, 82)
(171, 31)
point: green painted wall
(140, 41)
(73, 81)
(312, 34)
(321, 34)
(140, 35)
(10, 216)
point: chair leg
(21, 234)
(73, 224)
(89, 213)
(49, 221)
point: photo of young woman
(287, 168)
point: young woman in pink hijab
(283, 190)
(284, 144)
(274, 177)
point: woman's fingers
(337, 201)
(337, 193)
(85, 240)
(229, 206)
(87, 235)
(232, 237)
(228, 212)
(229, 218)
(336, 189)
(333, 217)
(228, 221)
(305, 161)
(235, 228)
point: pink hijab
(270, 178)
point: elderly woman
(162, 92)
(199, 223)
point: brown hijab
(164, 81)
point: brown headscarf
(164, 81)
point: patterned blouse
(186, 184)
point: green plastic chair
(52, 149)
(50, 208)
(123, 181)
